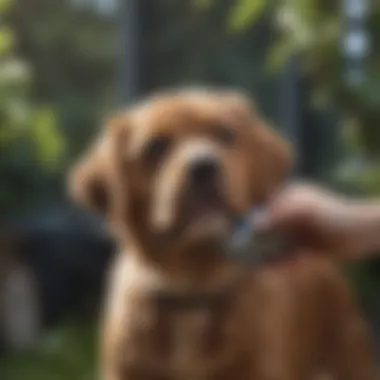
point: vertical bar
(290, 108)
(355, 42)
(128, 78)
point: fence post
(289, 102)
(129, 75)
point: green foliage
(24, 120)
(246, 12)
(279, 54)
(52, 91)
(29, 137)
(313, 31)
(6, 40)
(48, 142)
(65, 354)
(5, 5)
(73, 52)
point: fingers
(307, 213)
(292, 205)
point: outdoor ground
(70, 352)
(65, 354)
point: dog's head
(183, 163)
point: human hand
(315, 218)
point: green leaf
(246, 12)
(48, 141)
(68, 352)
(5, 5)
(279, 54)
(6, 40)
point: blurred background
(313, 67)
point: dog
(172, 175)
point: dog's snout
(203, 171)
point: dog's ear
(270, 155)
(87, 180)
(275, 154)
(90, 181)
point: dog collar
(243, 244)
(191, 300)
(194, 300)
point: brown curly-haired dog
(170, 175)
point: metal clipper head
(247, 244)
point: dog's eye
(225, 135)
(156, 148)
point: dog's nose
(203, 171)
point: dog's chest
(185, 343)
(192, 337)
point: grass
(68, 353)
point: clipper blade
(247, 244)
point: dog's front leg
(274, 338)
(352, 353)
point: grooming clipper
(247, 244)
